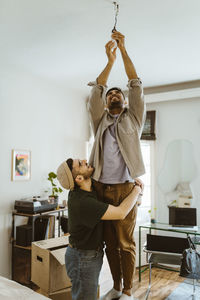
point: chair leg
(149, 288)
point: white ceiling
(64, 40)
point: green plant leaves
(52, 175)
(55, 190)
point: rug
(184, 291)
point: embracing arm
(121, 211)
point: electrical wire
(116, 9)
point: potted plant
(152, 215)
(55, 190)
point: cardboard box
(48, 264)
(64, 294)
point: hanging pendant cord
(116, 7)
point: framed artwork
(21, 165)
(148, 132)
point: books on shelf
(44, 227)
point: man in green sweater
(84, 255)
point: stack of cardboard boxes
(48, 268)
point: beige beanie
(64, 176)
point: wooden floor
(163, 283)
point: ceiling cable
(116, 9)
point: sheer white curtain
(147, 210)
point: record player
(35, 205)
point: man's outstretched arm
(135, 96)
(128, 64)
(111, 54)
(96, 104)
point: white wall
(176, 120)
(48, 118)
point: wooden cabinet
(21, 265)
(21, 255)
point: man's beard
(88, 174)
(115, 104)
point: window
(148, 179)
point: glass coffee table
(194, 233)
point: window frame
(152, 206)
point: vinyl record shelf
(21, 255)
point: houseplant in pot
(152, 214)
(55, 190)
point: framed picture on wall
(148, 132)
(21, 165)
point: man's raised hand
(119, 38)
(111, 51)
(111, 54)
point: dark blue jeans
(83, 268)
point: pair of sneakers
(114, 294)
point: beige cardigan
(128, 128)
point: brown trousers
(118, 234)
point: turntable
(35, 205)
